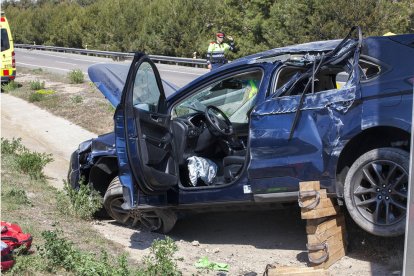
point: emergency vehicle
(8, 62)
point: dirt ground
(247, 241)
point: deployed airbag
(201, 168)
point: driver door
(146, 126)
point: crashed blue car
(244, 136)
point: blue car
(244, 135)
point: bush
(32, 163)
(58, 252)
(37, 85)
(15, 195)
(10, 86)
(36, 97)
(46, 92)
(27, 162)
(82, 203)
(160, 261)
(77, 99)
(76, 76)
(13, 147)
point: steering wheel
(220, 124)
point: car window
(235, 96)
(330, 76)
(5, 45)
(146, 93)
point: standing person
(217, 50)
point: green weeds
(82, 203)
(161, 259)
(77, 99)
(76, 76)
(10, 86)
(37, 85)
(25, 161)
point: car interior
(212, 125)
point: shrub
(27, 162)
(76, 76)
(160, 261)
(58, 252)
(82, 203)
(32, 163)
(37, 70)
(13, 147)
(37, 85)
(77, 99)
(46, 91)
(16, 195)
(10, 86)
(36, 97)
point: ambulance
(8, 62)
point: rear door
(294, 133)
(146, 126)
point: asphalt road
(62, 63)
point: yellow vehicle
(8, 62)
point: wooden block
(324, 236)
(320, 213)
(320, 225)
(333, 258)
(333, 243)
(298, 271)
(309, 186)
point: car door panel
(288, 145)
(147, 128)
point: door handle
(155, 118)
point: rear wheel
(162, 220)
(376, 189)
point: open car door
(143, 133)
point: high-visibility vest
(216, 52)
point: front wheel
(162, 220)
(376, 189)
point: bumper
(8, 75)
(74, 172)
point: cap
(220, 34)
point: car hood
(110, 80)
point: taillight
(13, 60)
(3, 19)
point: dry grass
(39, 213)
(82, 104)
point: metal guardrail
(117, 55)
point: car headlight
(84, 146)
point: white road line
(66, 63)
(42, 66)
(78, 59)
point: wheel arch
(366, 140)
(102, 173)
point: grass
(37, 85)
(10, 86)
(63, 243)
(82, 104)
(82, 203)
(76, 76)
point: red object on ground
(6, 257)
(13, 236)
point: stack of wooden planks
(325, 230)
(325, 225)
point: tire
(158, 220)
(376, 190)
